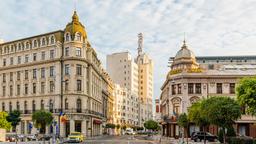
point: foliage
(42, 118)
(221, 111)
(246, 91)
(118, 126)
(151, 125)
(195, 114)
(3, 121)
(183, 120)
(231, 131)
(14, 118)
(220, 135)
(110, 125)
(123, 127)
(241, 140)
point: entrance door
(78, 126)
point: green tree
(183, 122)
(4, 124)
(221, 111)
(151, 125)
(14, 118)
(195, 115)
(246, 91)
(41, 119)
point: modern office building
(193, 78)
(59, 72)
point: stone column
(72, 125)
(84, 128)
(25, 127)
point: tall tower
(140, 43)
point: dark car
(199, 136)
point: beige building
(57, 71)
(191, 79)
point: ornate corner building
(193, 78)
(58, 72)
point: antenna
(184, 37)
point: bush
(240, 140)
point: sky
(211, 27)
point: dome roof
(75, 26)
(184, 52)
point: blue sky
(212, 27)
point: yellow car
(76, 136)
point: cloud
(212, 27)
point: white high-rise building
(135, 75)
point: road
(125, 139)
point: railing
(84, 111)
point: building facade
(190, 80)
(157, 114)
(58, 72)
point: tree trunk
(187, 134)
(204, 135)
(224, 135)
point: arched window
(19, 46)
(25, 107)
(3, 106)
(79, 105)
(52, 39)
(176, 103)
(33, 106)
(35, 43)
(18, 105)
(78, 36)
(51, 105)
(42, 104)
(10, 106)
(27, 45)
(194, 99)
(66, 104)
(67, 37)
(43, 42)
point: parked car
(199, 136)
(129, 131)
(10, 137)
(76, 136)
(31, 137)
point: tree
(14, 118)
(41, 119)
(184, 122)
(221, 111)
(195, 115)
(151, 125)
(246, 91)
(4, 124)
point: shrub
(240, 140)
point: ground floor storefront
(241, 129)
(86, 124)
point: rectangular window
(4, 77)
(66, 85)
(34, 56)
(18, 89)
(219, 88)
(26, 58)
(42, 72)
(190, 88)
(26, 88)
(51, 71)
(52, 87)
(232, 88)
(11, 90)
(79, 85)
(42, 87)
(67, 51)
(43, 55)
(173, 89)
(26, 74)
(34, 73)
(198, 88)
(19, 60)
(179, 88)
(67, 70)
(4, 90)
(4, 62)
(34, 88)
(11, 61)
(18, 75)
(11, 76)
(79, 69)
(51, 54)
(78, 52)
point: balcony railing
(57, 111)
